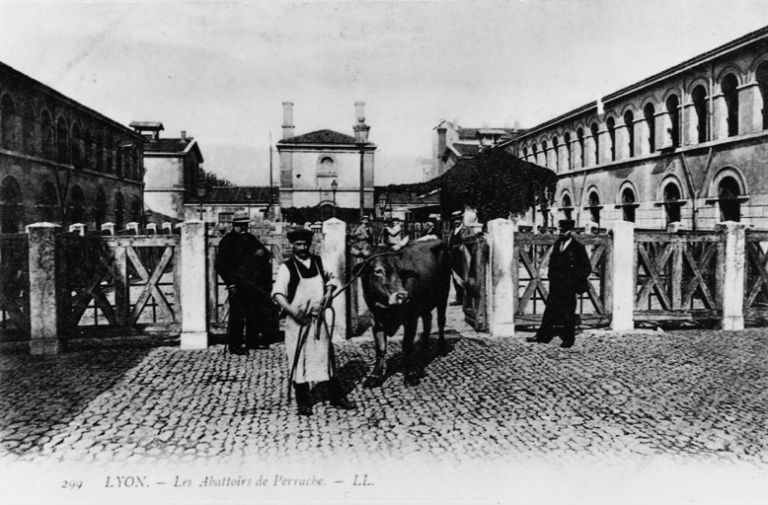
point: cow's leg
(409, 332)
(426, 323)
(442, 347)
(376, 377)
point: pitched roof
(240, 194)
(466, 149)
(320, 137)
(147, 125)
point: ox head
(382, 276)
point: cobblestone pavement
(698, 395)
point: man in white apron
(300, 289)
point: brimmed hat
(300, 234)
(457, 214)
(567, 224)
(240, 217)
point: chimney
(361, 129)
(288, 126)
(441, 145)
(183, 134)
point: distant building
(62, 162)
(221, 202)
(407, 204)
(451, 142)
(685, 145)
(172, 171)
(311, 163)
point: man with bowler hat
(244, 265)
(302, 289)
(456, 248)
(569, 269)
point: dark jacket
(242, 260)
(568, 269)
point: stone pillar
(720, 119)
(500, 288)
(642, 146)
(108, 228)
(589, 147)
(622, 142)
(576, 155)
(43, 300)
(750, 109)
(193, 290)
(605, 147)
(691, 131)
(733, 275)
(622, 275)
(334, 255)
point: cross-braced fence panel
(14, 287)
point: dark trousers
(459, 290)
(559, 317)
(246, 318)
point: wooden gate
(14, 287)
(119, 285)
(756, 277)
(678, 277)
(476, 259)
(530, 270)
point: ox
(400, 286)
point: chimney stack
(183, 134)
(288, 126)
(361, 129)
(441, 145)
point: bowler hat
(240, 217)
(300, 234)
(567, 224)
(457, 214)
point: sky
(220, 70)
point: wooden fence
(678, 276)
(14, 287)
(756, 277)
(118, 285)
(531, 263)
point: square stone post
(43, 300)
(622, 268)
(193, 289)
(733, 275)
(334, 255)
(500, 289)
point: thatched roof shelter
(495, 183)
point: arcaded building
(323, 167)
(687, 145)
(62, 162)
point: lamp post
(334, 187)
(201, 189)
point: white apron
(314, 363)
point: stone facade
(686, 145)
(310, 163)
(62, 162)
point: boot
(302, 399)
(338, 398)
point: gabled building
(325, 167)
(452, 143)
(172, 170)
(219, 203)
(687, 145)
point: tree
(209, 180)
(495, 183)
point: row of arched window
(82, 147)
(79, 209)
(729, 195)
(657, 125)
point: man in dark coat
(243, 262)
(456, 248)
(569, 268)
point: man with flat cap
(302, 289)
(245, 266)
(569, 268)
